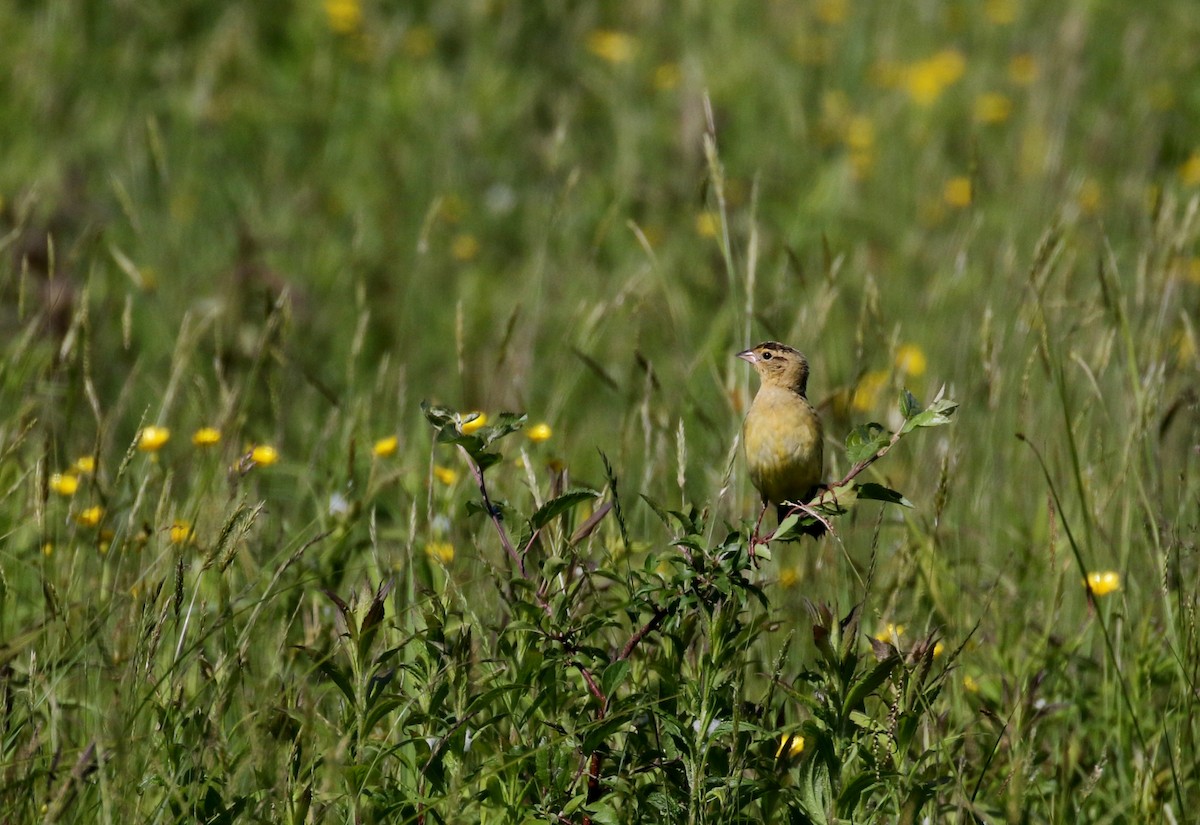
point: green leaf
(557, 506)
(869, 683)
(504, 424)
(613, 676)
(877, 492)
(940, 412)
(909, 405)
(865, 440)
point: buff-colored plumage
(782, 432)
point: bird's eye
(766, 356)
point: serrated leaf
(557, 506)
(504, 424)
(909, 405)
(940, 412)
(877, 492)
(865, 440)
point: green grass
(236, 215)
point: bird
(782, 434)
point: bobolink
(782, 432)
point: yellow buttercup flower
(464, 247)
(957, 192)
(206, 437)
(1103, 583)
(472, 425)
(181, 532)
(84, 465)
(539, 433)
(264, 454)
(790, 744)
(939, 647)
(611, 45)
(788, 577)
(993, 108)
(1090, 196)
(925, 80)
(91, 516)
(446, 475)
(1189, 172)
(418, 42)
(151, 439)
(890, 633)
(344, 16)
(1022, 69)
(707, 225)
(64, 484)
(866, 394)
(667, 76)
(910, 360)
(1000, 12)
(970, 684)
(440, 551)
(385, 447)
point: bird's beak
(749, 356)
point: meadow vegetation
(369, 411)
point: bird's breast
(783, 442)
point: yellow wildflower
(1193, 270)
(925, 80)
(464, 247)
(1189, 172)
(65, 484)
(790, 744)
(440, 551)
(860, 137)
(832, 12)
(992, 108)
(472, 422)
(84, 465)
(707, 225)
(418, 42)
(206, 437)
(957, 192)
(1103, 583)
(970, 684)
(866, 394)
(1022, 69)
(264, 455)
(151, 439)
(1090, 196)
(48, 549)
(539, 432)
(1000, 12)
(385, 447)
(613, 46)
(446, 475)
(788, 577)
(939, 647)
(181, 532)
(91, 516)
(910, 360)
(344, 16)
(890, 633)
(667, 76)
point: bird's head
(778, 365)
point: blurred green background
(297, 220)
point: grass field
(245, 576)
